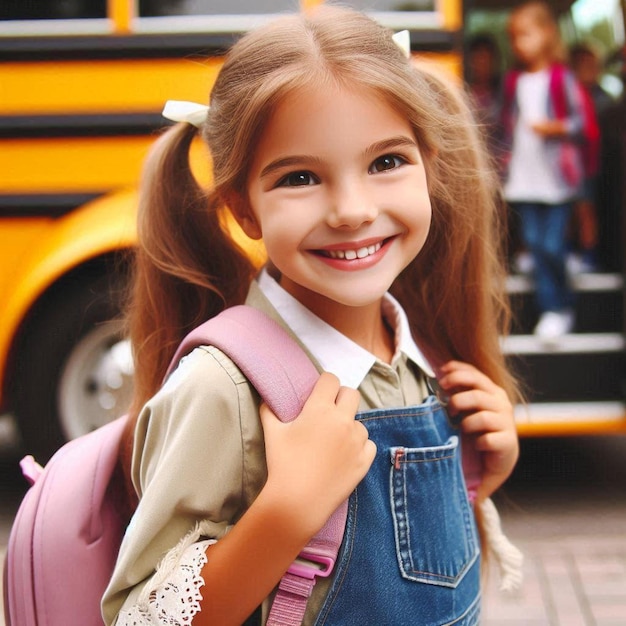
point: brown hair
(188, 268)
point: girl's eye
(386, 162)
(297, 179)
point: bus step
(575, 343)
(565, 418)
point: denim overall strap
(411, 552)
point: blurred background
(82, 84)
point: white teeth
(351, 255)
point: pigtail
(187, 268)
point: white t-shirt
(533, 176)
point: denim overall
(410, 553)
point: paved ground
(565, 507)
(571, 581)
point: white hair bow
(402, 39)
(183, 111)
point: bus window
(155, 8)
(391, 5)
(415, 14)
(206, 16)
(67, 10)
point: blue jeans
(410, 553)
(544, 231)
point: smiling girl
(364, 177)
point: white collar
(331, 349)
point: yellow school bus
(82, 84)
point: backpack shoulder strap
(284, 376)
(269, 358)
(557, 91)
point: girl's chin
(352, 298)
(353, 291)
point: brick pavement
(569, 581)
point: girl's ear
(243, 214)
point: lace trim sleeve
(172, 597)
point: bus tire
(66, 382)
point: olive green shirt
(199, 451)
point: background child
(484, 81)
(542, 120)
(362, 174)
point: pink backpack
(66, 535)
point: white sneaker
(524, 263)
(553, 325)
(573, 264)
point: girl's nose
(351, 207)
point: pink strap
(284, 376)
(31, 470)
(290, 602)
(269, 358)
(557, 92)
(472, 467)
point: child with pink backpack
(367, 182)
(544, 130)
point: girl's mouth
(351, 255)
(362, 256)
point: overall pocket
(435, 531)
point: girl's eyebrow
(289, 161)
(400, 141)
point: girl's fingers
(482, 422)
(495, 442)
(325, 389)
(474, 400)
(369, 452)
(468, 377)
(348, 399)
(452, 366)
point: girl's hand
(488, 415)
(550, 128)
(316, 461)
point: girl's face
(337, 189)
(530, 40)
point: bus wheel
(74, 370)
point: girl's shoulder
(206, 399)
(206, 367)
(206, 387)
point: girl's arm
(573, 125)
(552, 129)
(488, 415)
(313, 463)
(199, 456)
